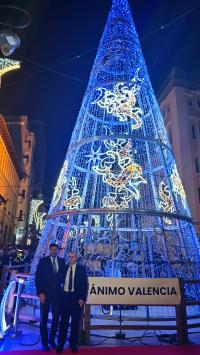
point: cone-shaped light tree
(119, 201)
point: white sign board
(112, 290)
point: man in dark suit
(48, 279)
(73, 298)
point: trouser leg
(55, 318)
(44, 312)
(64, 322)
(75, 324)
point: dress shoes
(59, 350)
(53, 344)
(45, 347)
(74, 349)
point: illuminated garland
(34, 210)
(130, 176)
(126, 181)
(40, 220)
(177, 186)
(60, 183)
(121, 102)
(74, 201)
(7, 65)
(36, 217)
(36, 214)
(167, 203)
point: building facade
(180, 105)
(38, 127)
(24, 143)
(10, 175)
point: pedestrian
(4, 265)
(48, 279)
(26, 260)
(9, 254)
(73, 298)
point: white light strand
(126, 182)
(167, 204)
(177, 186)
(33, 210)
(40, 220)
(73, 202)
(62, 180)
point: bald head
(72, 258)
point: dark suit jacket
(80, 282)
(45, 279)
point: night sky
(61, 30)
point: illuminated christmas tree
(119, 201)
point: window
(5, 232)
(198, 102)
(27, 158)
(193, 133)
(190, 104)
(197, 166)
(20, 216)
(23, 194)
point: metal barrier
(7, 304)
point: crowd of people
(13, 259)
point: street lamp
(9, 41)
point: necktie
(70, 280)
(54, 266)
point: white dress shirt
(56, 262)
(66, 286)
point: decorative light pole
(7, 65)
(9, 40)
